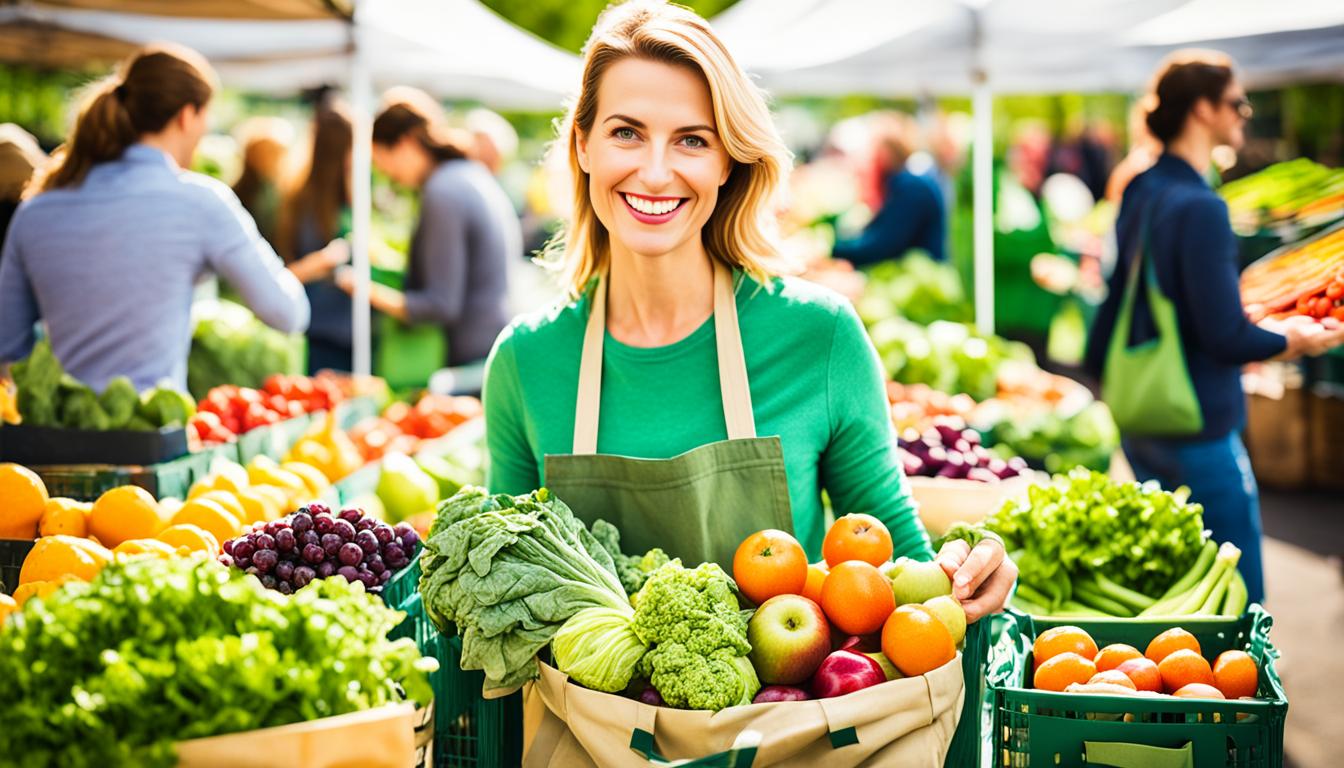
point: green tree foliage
(567, 23)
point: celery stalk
(1235, 604)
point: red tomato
(1338, 312)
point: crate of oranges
(1127, 692)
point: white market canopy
(983, 47)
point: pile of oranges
(1172, 663)
(852, 587)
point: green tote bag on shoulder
(1147, 385)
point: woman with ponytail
(457, 270)
(116, 233)
(1173, 229)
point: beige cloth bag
(906, 722)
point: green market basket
(469, 731)
(1044, 728)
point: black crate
(29, 445)
(12, 554)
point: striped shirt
(109, 266)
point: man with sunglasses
(1174, 229)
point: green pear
(917, 582)
(888, 668)
(949, 611)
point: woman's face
(653, 157)
(1229, 121)
(405, 162)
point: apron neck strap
(733, 384)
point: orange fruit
(210, 516)
(1235, 674)
(769, 563)
(1065, 639)
(125, 513)
(1198, 691)
(857, 537)
(65, 516)
(1173, 639)
(1143, 673)
(32, 589)
(1062, 670)
(8, 605)
(192, 538)
(857, 598)
(1111, 656)
(229, 501)
(916, 641)
(816, 576)
(142, 548)
(53, 557)
(1114, 677)
(1183, 667)
(23, 499)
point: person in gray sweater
(108, 250)
(456, 275)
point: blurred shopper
(494, 140)
(116, 234)
(20, 158)
(1144, 149)
(265, 142)
(314, 220)
(913, 212)
(1181, 415)
(456, 274)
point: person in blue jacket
(1200, 105)
(913, 214)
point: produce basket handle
(741, 755)
(1261, 623)
(1120, 754)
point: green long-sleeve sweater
(816, 382)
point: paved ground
(1305, 585)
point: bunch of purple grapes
(950, 449)
(315, 543)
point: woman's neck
(653, 302)
(1194, 148)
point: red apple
(772, 693)
(861, 644)
(789, 638)
(845, 672)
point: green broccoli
(79, 408)
(633, 571)
(38, 379)
(164, 407)
(119, 401)
(699, 638)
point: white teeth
(651, 207)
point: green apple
(888, 668)
(949, 611)
(917, 582)
(789, 639)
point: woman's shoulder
(547, 328)
(802, 303)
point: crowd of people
(662, 251)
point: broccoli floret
(632, 570)
(699, 638)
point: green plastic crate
(469, 731)
(82, 482)
(361, 482)
(272, 440)
(1043, 728)
(169, 479)
(12, 554)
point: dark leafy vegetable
(112, 672)
(633, 570)
(119, 401)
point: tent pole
(982, 171)
(361, 102)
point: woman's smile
(648, 209)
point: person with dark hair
(1174, 229)
(913, 212)
(265, 143)
(456, 274)
(109, 246)
(314, 219)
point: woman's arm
(1211, 290)
(387, 300)
(318, 264)
(860, 468)
(513, 466)
(18, 306)
(236, 251)
(892, 231)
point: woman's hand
(981, 577)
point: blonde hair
(740, 230)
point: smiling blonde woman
(686, 391)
